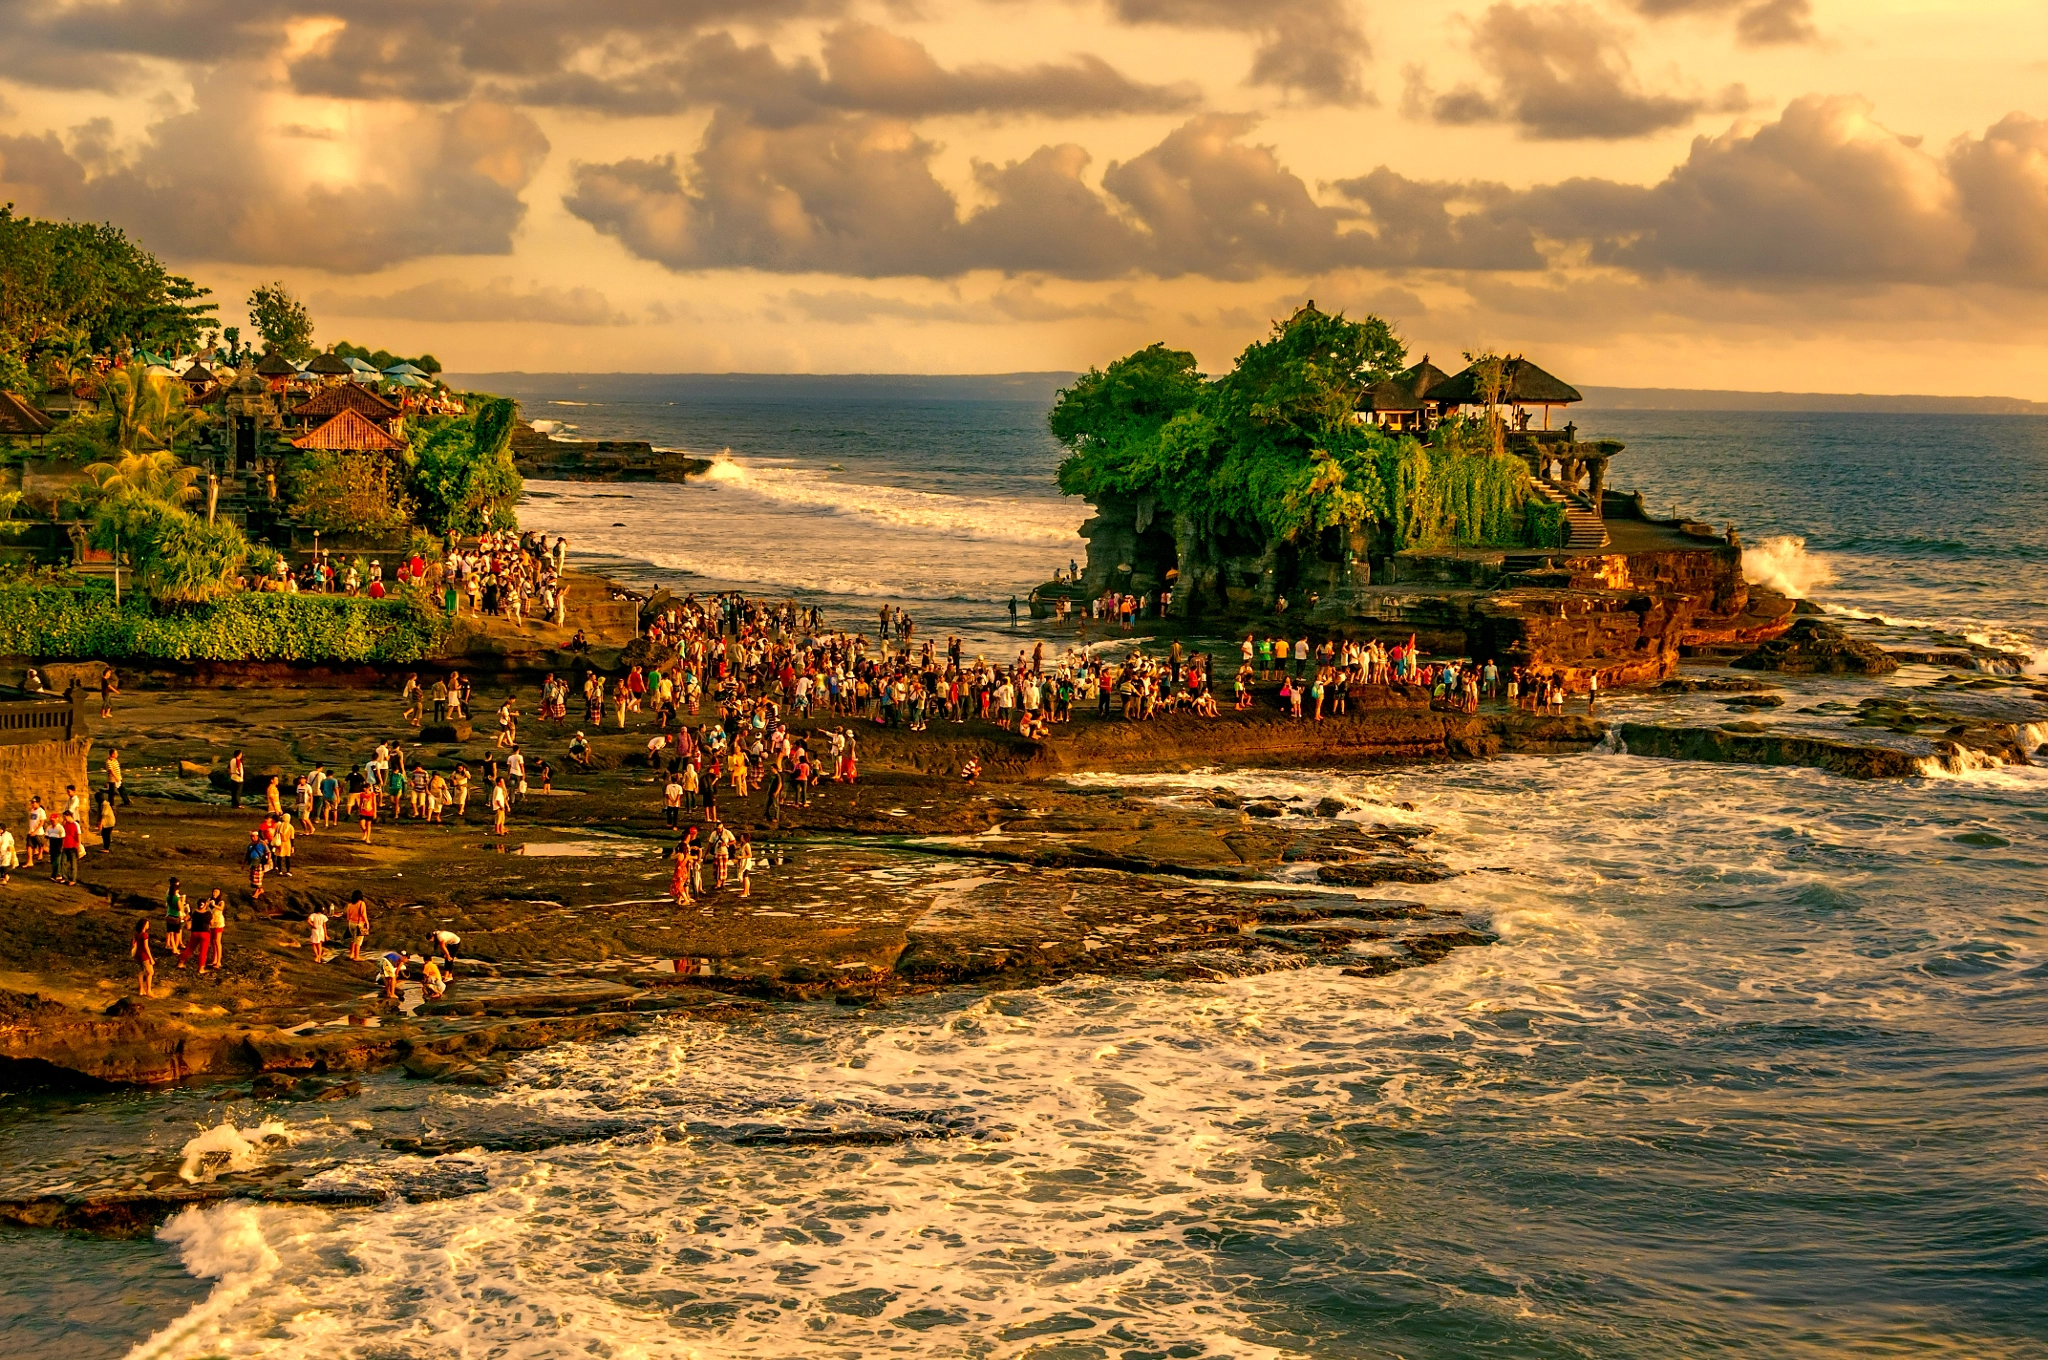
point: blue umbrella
(404, 370)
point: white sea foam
(224, 1147)
(1040, 523)
(1140, 1165)
(1784, 564)
(224, 1243)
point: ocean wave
(1784, 564)
(1036, 523)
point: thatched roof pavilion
(1407, 400)
(1522, 384)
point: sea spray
(225, 1147)
(224, 1243)
(1783, 564)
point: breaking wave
(992, 519)
(1785, 566)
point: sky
(1805, 195)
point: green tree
(65, 279)
(1274, 451)
(346, 493)
(282, 320)
(463, 478)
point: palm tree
(67, 362)
(148, 413)
(155, 476)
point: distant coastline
(1715, 399)
(1042, 386)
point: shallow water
(1755, 1066)
(1746, 1070)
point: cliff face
(1137, 547)
(1624, 614)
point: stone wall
(43, 767)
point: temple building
(1406, 401)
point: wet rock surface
(1816, 646)
(909, 879)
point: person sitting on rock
(579, 751)
(433, 980)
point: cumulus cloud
(456, 300)
(100, 44)
(1314, 48)
(1757, 22)
(1558, 72)
(1823, 193)
(865, 69)
(211, 184)
(858, 196)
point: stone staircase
(1584, 529)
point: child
(316, 934)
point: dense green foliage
(1274, 449)
(85, 288)
(137, 507)
(282, 320)
(342, 493)
(56, 621)
(463, 479)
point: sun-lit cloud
(1559, 72)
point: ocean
(1756, 1066)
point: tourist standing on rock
(66, 843)
(411, 695)
(209, 924)
(238, 774)
(316, 934)
(273, 797)
(38, 829)
(105, 821)
(177, 920)
(501, 801)
(257, 856)
(679, 875)
(356, 919)
(111, 767)
(145, 961)
(366, 809)
(110, 686)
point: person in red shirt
(70, 850)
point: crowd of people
(750, 700)
(506, 575)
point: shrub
(344, 493)
(54, 621)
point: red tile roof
(349, 432)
